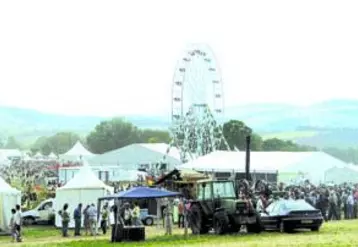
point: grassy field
(340, 233)
(291, 135)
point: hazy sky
(118, 57)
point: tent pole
(158, 212)
(185, 219)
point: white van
(43, 214)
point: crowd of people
(85, 218)
(336, 202)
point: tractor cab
(215, 189)
(217, 206)
(221, 195)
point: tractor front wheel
(220, 223)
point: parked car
(146, 218)
(44, 213)
(287, 215)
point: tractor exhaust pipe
(247, 163)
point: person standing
(86, 219)
(136, 215)
(65, 219)
(261, 204)
(344, 201)
(181, 213)
(104, 219)
(350, 205)
(126, 214)
(77, 216)
(168, 219)
(333, 201)
(12, 225)
(113, 221)
(92, 214)
(18, 223)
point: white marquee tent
(289, 165)
(116, 174)
(136, 155)
(83, 188)
(77, 153)
(38, 155)
(10, 153)
(4, 161)
(342, 174)
(9, 197)
(52, 156)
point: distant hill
(27, 124)
(333, 114)
(329, 123)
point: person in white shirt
(126, 214)
(261, 204)
(92, 215)
(18, 223)
(12, 225)
(350, 205)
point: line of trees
(117, 132)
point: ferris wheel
(197, 81)
(197, 103)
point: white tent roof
(132, 155)
(5, 187)
(228, 161)
(85, 179)
(162, 148)
(4, 160)
(78, 150)
(313, 163)
(338, 175)
(52, 155)
(10, 152)
(38, 155)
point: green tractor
(217, 207)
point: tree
(112, 134)
(275, 144)
(256, 142)
(154, 136)
(12, 143)
(235, 133)
(59, 143)
(39, 143)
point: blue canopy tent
(136, 193)
(141, 193)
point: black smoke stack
(247, 163)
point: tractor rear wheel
(196, 222)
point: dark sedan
(287, 215)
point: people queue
(129, 213)
(89, 216)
